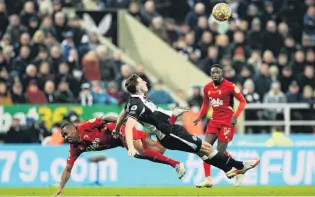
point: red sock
(228, 154)
(159, 158)
(206, 167)
(173, 119)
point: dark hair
(131, 83)
(216, 66)
(66, 125)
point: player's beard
(217, 82)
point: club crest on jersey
(86, 137)
(215, 102)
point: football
(221, 12)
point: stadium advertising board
(42, 166)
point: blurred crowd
(47, 57)
(266, 48)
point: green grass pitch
(164, 191)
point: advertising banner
(42, 166)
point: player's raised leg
(207, 182)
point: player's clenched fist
(132, 152)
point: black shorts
(180, 139)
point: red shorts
(224, 133)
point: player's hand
(233, 120)
(196, 121)
(59, 191)
(132, 152)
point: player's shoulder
(228, 83)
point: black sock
(237, 164)
(220, 160)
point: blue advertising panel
(31, 165)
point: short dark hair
(216, 66)
(131, 83)
(66, 125)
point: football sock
(219, 160)
(157, 157)
(173, 119)
(207, 168)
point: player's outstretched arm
(130, 124)
(239, 96)
(64, 179)
(119, 123)
(107, 119)
(204, 106)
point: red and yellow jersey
(221, 99)
(93, 138)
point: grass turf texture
(164, 191)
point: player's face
(216, 74)
(71, 135)
(142, 85)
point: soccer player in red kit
(219, 94)
(96, 135)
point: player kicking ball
(96, 135)
(171, 136)
(219, 94)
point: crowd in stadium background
(266, 48)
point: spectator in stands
(293, 95)
(125, 72)
(15, 28)
(17, 94)
(308, 96)
(307, 78)
(33, 94)
(49, 90)
(134, 10)
(4, 21)
(263, 79)
(268, 58)
(44, 74)
(148, 12)
(5, 97)
(67, 44)
(30, 75)
(159, 96)
(212, 58)
(197, 98)
(251, 97)
(172, 32)
(272, 40)
(63, 93)
(274, 73)
(298, 64)
(310, 57)
(192, 17)
(85, 96)
(100, 96)
(140, 73)
(275, 95)
(255, 61)
(114, 92)
(27, 13)
(282, 61)
(108, 68)
(22, 60)
(16, 133)
(286, 78)
(158, 27)
(309, 23)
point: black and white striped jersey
(148, 114)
